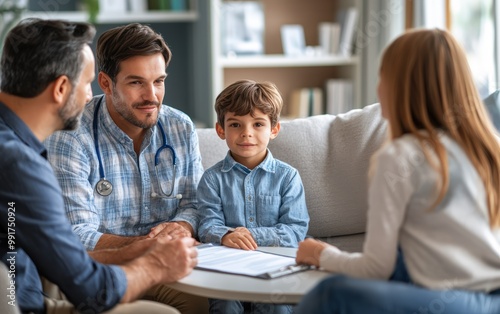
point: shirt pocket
(268, 210)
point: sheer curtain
(383, 20)
(473, 24)
(429, 13)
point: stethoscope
(104, 187)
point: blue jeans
(238, 307)
(342, 295)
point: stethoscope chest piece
(104, 187)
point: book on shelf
(166, 5)
(329, 37)
(178, 5)
(348, 20)
(339, 96)
(305, 102)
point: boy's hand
(240, 238)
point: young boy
(250, 199)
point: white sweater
(451, 246)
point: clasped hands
(239, 238)
(172, 230)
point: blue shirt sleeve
(44, 233)
(212, 221)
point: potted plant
(10, 13)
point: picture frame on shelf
(293, 40)
(112, 6)
(242, 28)
(139, 6)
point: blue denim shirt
(268, 200)
(42, 242)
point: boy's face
(247, 137)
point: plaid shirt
(130, 210)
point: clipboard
(257, 264)
(283, 271)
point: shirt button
(249, 197)
(146, 208)
(251, 219)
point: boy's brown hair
(244, 96)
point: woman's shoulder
(406, 145)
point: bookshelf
(288, 73)
(186, 33)
(62, 12)
(126, 17)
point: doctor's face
(137, 94)
(80, 94)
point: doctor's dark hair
(245, 96)
(124, 42)
(36, 52)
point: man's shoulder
(16, 155)
(11, 146)
(175, 117)
(82, 134)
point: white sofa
(332, 155)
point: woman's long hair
(430, 88)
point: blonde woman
(434, 192)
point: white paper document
(249, 263)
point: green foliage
(93, 9)
(10, 13)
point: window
(472, 22)
(473, 25)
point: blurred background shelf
(270, 63)
(279, 60)
(123, 17)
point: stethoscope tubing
(104, 187)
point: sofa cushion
(212, 148)
(332, 155)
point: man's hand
(240, 238)
(172, 230)
(174, 259)
(166, 261)
(309, 252)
